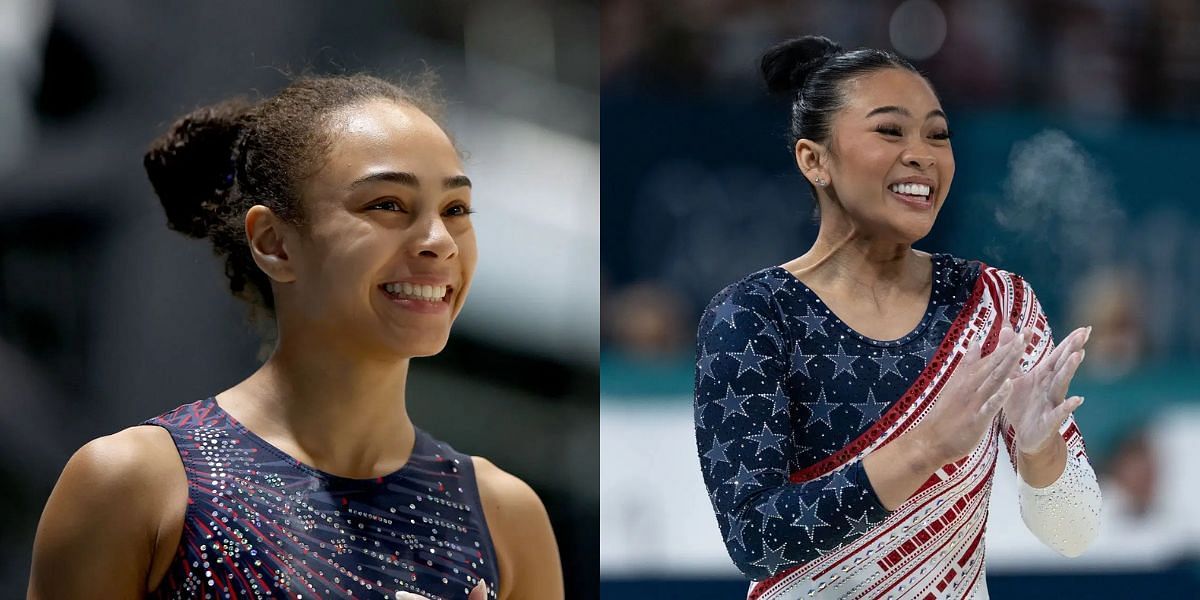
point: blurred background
(1077, 129)
(108, 318)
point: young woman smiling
(343, 212)
(850, 402)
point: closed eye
(891, 130)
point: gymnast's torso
(260, 524)
(789, 400)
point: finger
(1026, 339)
(1003, 369)
(1065, 409)
(480, 592)
(1043, 372)
(974, 351)
(1074, 342)
(1003, 344)
(1069, 344)
(1062, 379)
(1056, 354)
(997, 401)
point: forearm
(1043, 468)
(898, 469)
(786, 523)
(1059, 495)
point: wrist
(1046, 454)
(1042, 468)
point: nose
(433, 240)
(919, 160)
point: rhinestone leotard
(260, 524)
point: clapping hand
(479, 593)
(1038, 404)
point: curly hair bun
(192, 165)
(787, 65)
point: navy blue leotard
(260, 524)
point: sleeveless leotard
(260, 524)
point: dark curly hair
(216, 162)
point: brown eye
(388, 205)
(459, 210)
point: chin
(913, 230)
(421, 349)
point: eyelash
(893, 130)
(466, 210)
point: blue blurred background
(1077, 131)
(108, 318)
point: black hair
(216, 162)
(811, 71)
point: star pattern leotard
(789, 399)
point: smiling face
(889, 162)
(387, 254)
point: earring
(820, 182)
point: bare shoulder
(133, 460)
(141, 446)
(106, 512)
(520, 526)
(505, 492)
(139, 460)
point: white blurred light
(538, 195)
(23, 25)
(918, 29)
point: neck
(344, 413)
(845, 256)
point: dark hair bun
(787, 65)
(192, 165)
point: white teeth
(912, 189)
(430, 293)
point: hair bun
(787, 65)
(191, 166)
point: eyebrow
(410, 180)
(937, 112)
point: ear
(265, 235)
(811, 158)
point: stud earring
(820, 182)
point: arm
(1059, 494)
(520, 528)
(747, 447)
(98, 533)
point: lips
(417, 291)
(915, 191)
(425, 295)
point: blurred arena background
(108, 318)
(1077, 130)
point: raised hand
(975, 393)
(479, 593)
(1039, 405)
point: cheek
(468, 250)
(874, 161)
(947, 171)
